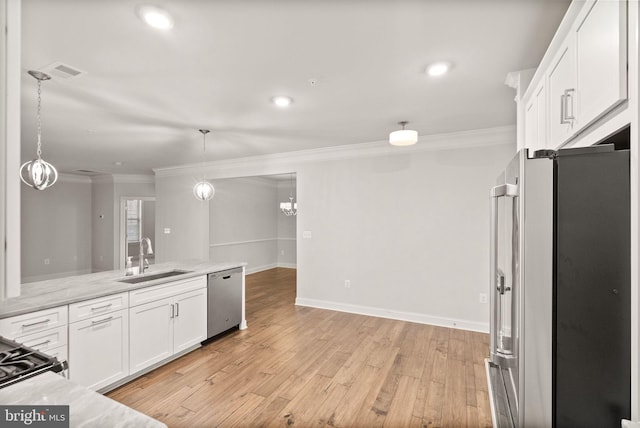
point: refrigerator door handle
(498, 288)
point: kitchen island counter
(40, 295)
(86, 408)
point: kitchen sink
(159, 275)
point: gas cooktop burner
(18, 362)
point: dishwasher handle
(226, 274)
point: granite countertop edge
(86, 407)
(36, 296)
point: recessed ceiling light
(438, 68)
(282, 101)
(155, 17)
(118, 163)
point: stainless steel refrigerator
(560, 290)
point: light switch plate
(167, 230)
(307, 234)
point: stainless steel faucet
(144, 263)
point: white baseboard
(396, 315)
(270, 266)
(257, 269)
(288, 265)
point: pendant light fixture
(289, 208)
(203, 190)
(403, 137)
(38, 173)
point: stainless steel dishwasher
(224, 304)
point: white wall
(409, 227)
(410, 232)
(186, 219)
(103, 217)
(67, 246)
(243, 222)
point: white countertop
(40, 295)
(86, 408)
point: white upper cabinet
(562, 92)
(583, 76)
(536, 120)
(601, 60)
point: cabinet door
(531, 125)
(541, 122)
(601, 60)
(536, 121)
(190, 321)
(99, 350)
(150, 333)
(562, 89)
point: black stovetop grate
(18, 362)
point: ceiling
(146, 92)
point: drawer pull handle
(226, 277)
(101, 321)
(97, 308)
(36, 323)
(41, 344)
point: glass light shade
(38, 174)
(403, 137)
(203, 190)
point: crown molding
(133, 179)
(74, 178)
(450, 141)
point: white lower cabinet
(99, 349)
(190, 322)
(167, 326)
(151, 333)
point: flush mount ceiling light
(438, 69)
(155, 17)
(282, 101)
(203, 190)
(38, 173)
(289, 208)
(403, 137)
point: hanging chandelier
(203, 190)
(289, 208)
(38, 173)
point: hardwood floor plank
(400, 412)
(319, 368)
(454, 408)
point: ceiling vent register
(62, 71)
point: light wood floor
(312, 367)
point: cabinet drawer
(102, 305)
(44, 340)
(33, 322)
(161, 291)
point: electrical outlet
(282, 252)
(483, 298)
(347, 283)
(47, 261)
